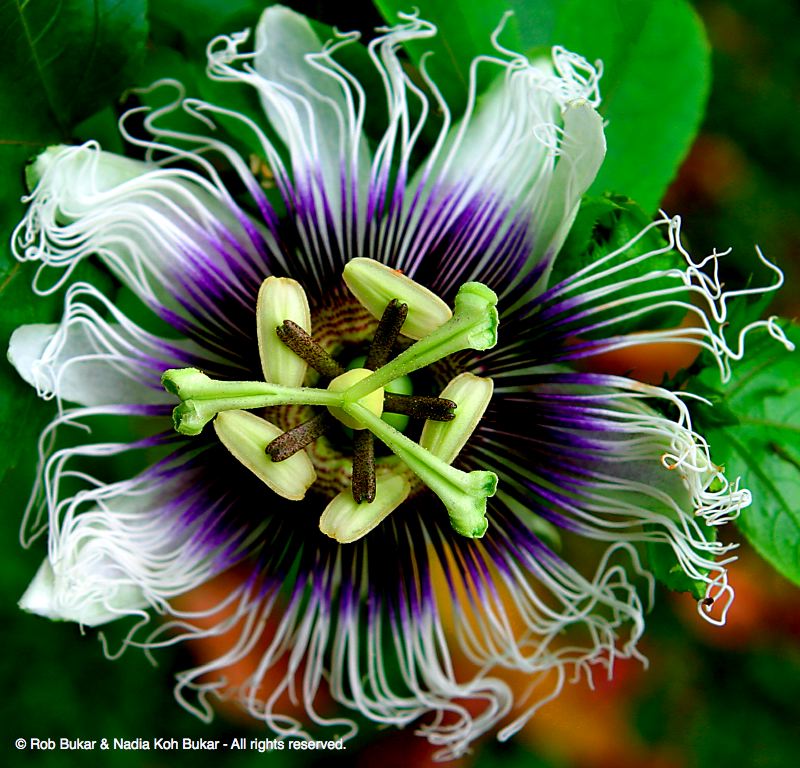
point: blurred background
(712, 696)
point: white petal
(96, 355)
(581, 152)
(311, 110)
(51, 595)
(511, 144)
(117, 549)
(155, 228)
(58, 163)
(521, 157)
(72, 368)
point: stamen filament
(386, 334)
(294, 337)
(363, 466)
(464, 494)
(294, 440)
(472, 326)
(420, 406)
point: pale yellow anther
(372, 401)
(346, 521)
(445, 439)
(375, 285)
(279, 299)
(246, 436)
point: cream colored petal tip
(246, 436)
(279, 299)
(60, 599)
(346, 521)
(471, 394)
(375, 285)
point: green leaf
(63, 61)
(764, 446)
(199, 21)
(656, 76)
(21, 414)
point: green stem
(203, 397)
(472, 326)
(463, 493)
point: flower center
(357, 398)
(372, 401)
